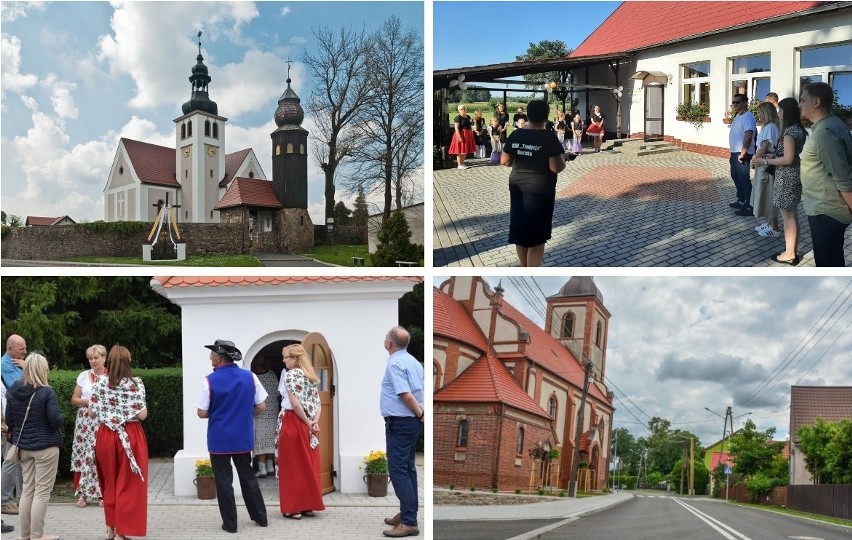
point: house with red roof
(503, 386)
(37, 221)
(341, 321)
(706, 52)
(807, 403)
(204, 184)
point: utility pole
(729, 418)
(691, 466)
(572, 482)
(682, 469)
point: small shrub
(540, 491)
(563, 493)
(517, 492)
(473, 488)
(452, 487)
(494, 490)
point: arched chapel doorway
(322, 360)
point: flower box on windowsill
(682, 119)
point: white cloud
(9, 11)
(149, 42)
(142, 129)
(249, 85)
(298, 40)
(285, 11)
(63, 101)
(11, 78)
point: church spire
(289, 112)
(200, 100)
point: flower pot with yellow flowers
(376, 473)
(205, 483)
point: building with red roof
(36, 221)
(200, 183)
(505, 387)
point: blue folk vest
(230, 428)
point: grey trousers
(13, 480)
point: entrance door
(653, 112)
(318, 350)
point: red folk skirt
(125, 495)
(299, 486)
(467, 146)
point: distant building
(807, 403)
(35, 221)
(414, 217)
(504, 386)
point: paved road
(612, 209)
(662, 517)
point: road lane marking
(542, 530)
(720, 527)
(804, 538)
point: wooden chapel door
(323, 361)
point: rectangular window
(695, 83)
(750, 75)
(831, 64)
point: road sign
(728, 471)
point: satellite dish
(459, 82)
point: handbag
(13, 454)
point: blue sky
(678, 344)
(478, 33)
(77, 76)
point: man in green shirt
(826, 175)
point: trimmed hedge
(163, 427)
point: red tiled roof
(548, 353)
(452, 321)
(249, 192)
(640, 25)
(488, 380)
(232, 163)
(36, 221)
(723, 457)
(807, 403)
(153, 164)
(244, 281)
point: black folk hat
(226, 348)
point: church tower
(200, 155)
(290, 172)
(289, 151)
(576, 316)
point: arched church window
(519, 443)
(215, 130)
(289, 148)
(301, 148)
(552, 407)
(189, 129)
(599, 334)
(277, 149)
(207, 128)
(461, 434)
(568, 325)
(183, 131)
(121, 170)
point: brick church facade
(504, 387)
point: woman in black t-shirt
(536, 157)
(503, 119)
(463, 142)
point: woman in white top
(761, 193)
(86, 485)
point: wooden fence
(833, 500)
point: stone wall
(71, 241)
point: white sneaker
(462, 167)
(762, 227)
(768, 231)
(261, 469)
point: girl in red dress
(121, 449)
(463, 142)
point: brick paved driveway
(612, 209)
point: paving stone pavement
(347, 516)
(612, 209)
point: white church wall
(353, 317)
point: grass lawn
(340, 255)
(191, 260)
(787, 511)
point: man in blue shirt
(401, 404)
(229, 398)
(12, 475)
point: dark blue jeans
(740, 176)
(401, 433)
(828, 236)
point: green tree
(411, 309)
(701, 478)
(361, 213)
(753, 450)
(838, 452)
(62, 316)
(541, 51)
(395, 242)
(342, 214)
(628, 450)
(813, 441)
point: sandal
(308, 513)
(110, 534)
(297, 515)
(81, 502)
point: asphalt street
(662, 517)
